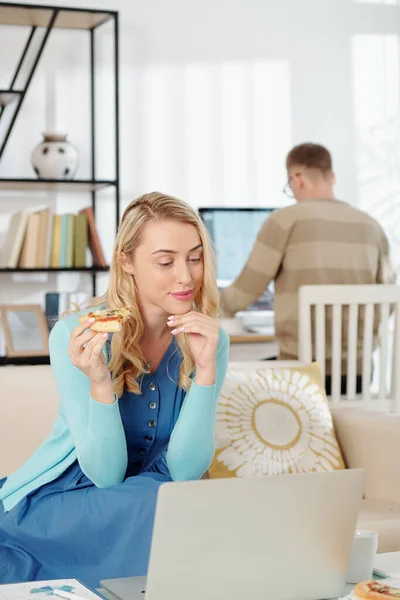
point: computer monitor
(233, 231)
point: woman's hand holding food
(86, 352)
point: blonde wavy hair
(127, 362)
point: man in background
(319, 240)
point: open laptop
(285, 537)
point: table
(249, 345)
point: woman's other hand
(202, 334)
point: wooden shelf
(57, 185)
(32, 15)
(60, 270)
(24, 360)
(40, 22)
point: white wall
(213, 94)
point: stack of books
(41, 239)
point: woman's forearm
(206, 377)
(191, 446)
(103, 392)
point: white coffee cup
(362, 557)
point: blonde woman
(135, 411)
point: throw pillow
(272, 421)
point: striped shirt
(312, 242)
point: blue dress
(69, 528)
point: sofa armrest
(371, 441)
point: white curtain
(216, 134)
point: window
(376, 114)
(216, 133)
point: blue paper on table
(35, 590)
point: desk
(248, 345)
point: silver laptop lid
(285, 537)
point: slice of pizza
(376, 590)
(109, 320)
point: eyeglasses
(287, 188)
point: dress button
(152, 423)
(152, 386)
(142, 451)
(152, 405)
(148, 438)
(138, 464)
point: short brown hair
(311, 156)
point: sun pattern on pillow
(272, 421)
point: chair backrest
(354, 299)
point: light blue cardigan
(93, 433)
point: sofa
(368, 440)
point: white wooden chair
(351, 298)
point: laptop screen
(233, 231)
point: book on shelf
(67, 241)
(11, 249)
(44, 242)
(69, 252)
(81, 239)
(56, 242)
(94, 239)
(56, 303)
(63, 243)
(27, 258)
(41, 239)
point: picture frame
(25, 330)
